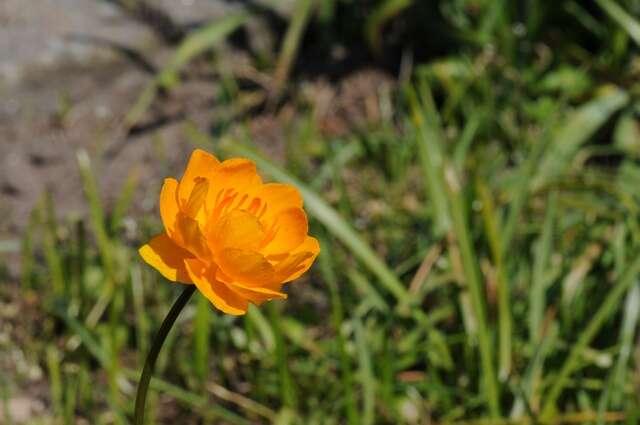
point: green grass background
(480, 242)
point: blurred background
(471, 168)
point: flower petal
(233, 175)
(217, 292)
(237, 229)
(169, 204)
(255, 294)
(193, 207)
(256, 297)
(244, 266)
(278, 197)
(201, 164)
(298, 262)
(289, 229)
(167, 257)
(188, 233)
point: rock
(22, 409)
(38, 36)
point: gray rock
(38, 36)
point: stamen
(263, 211)
(241, 201)
(222, 206)
(254, 206)
(271, 233)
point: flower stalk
(150, 362)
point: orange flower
(237, 239)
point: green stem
(150, 362)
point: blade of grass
(604, 312)
(199, 42)
(523, 183)
(141, 317)
(367, 379)
(464, 298)
(192, 46)
(345, 206)
(70, 397)
(97, 216)
(290, 45)
(505, 321)
(288, 392)
(297, 336)
(367, 290)
(123, 202)
(79, 266)
(51, 252)
(575, 132)
(96, 212)
(112, 369)
(327, 268)
(378, 17)
(202, 330)
(344, 155)
(444, 187)
(573, 281)
(431, 161)
(534, 372)
(241, 401)
(625, 20)
(257, 319)
(466, 139)
(629, 325)
(113, 296)
(541, 258)
(27, 252)
(585, 18)
(55, 381)
(476, 289)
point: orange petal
(169, 205)
(278, 197)
(244, 266)
(194, 207)
(298, 262)
(191, 237)
(255, 294)
(237, 229)
(168, 258)
(256, 297)
(201, 164)
(237, 174)
(217, 292)
(290, 227)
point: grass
(479, 239)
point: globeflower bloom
(233, 236)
